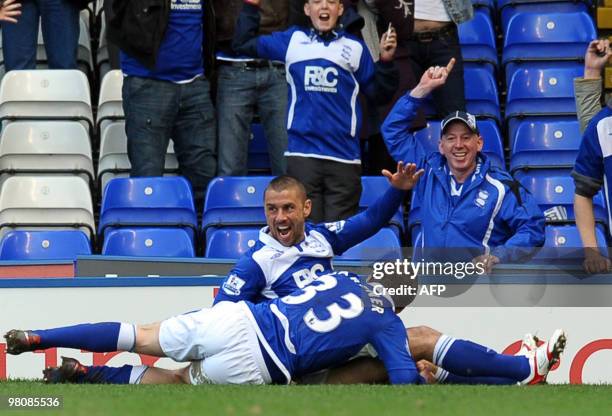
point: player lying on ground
(320, 326)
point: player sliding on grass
(318, 327)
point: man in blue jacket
(469, 203)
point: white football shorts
(220, 341)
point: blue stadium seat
(563, 244)
(477, 39)
(258, 159)
(372, 188)
(231, 242)
(44, 245)
(554, 193)
(492, 147)
(509, 8)
(148, 242)
(481, 95)
(234, 201)
(541, 88)
(545, 143)
(548, 36)
(384, 245)
(148, 202)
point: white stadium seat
(44, 202)
(45, 94)
(110, 103)
(41, 147)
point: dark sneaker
(18, 341)
(71, 371)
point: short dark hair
(282, 182)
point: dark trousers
(423, 54)
(156, 111)
(113, 50)
(333, 187)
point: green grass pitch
(314, 400)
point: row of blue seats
(535, 89)
(530, 33)
(562, 243)
(227, 243)
(157, 215)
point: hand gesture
(388, 44)
(597, 54)
(433, 78)
(9, 10)
(405, 177)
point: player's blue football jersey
(328, 322)
(270, 270)
(593, 166)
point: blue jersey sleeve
(400, 142)
(366, 70)
(343, 235)
(244, 282)
(275, 45)
(391, 344)
(246, 41)
(588, 171)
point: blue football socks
(468, 359)
(126, 374)
(100, 337)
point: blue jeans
(60, 29)
(156, 111)
(240, 91)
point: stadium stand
(49, 130)
(114, 162)
(477, 39)
(554, 193)
(110, 101)
(230, 243)
(44, 245)
(547, 36)
(41, 94)
(258, 159)
(148, 242)
(153, 202)
(46, 147)
(545, 144)
(234, 202)
(563, 244)
(509, 8)
(46, 202)
(541, 89)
